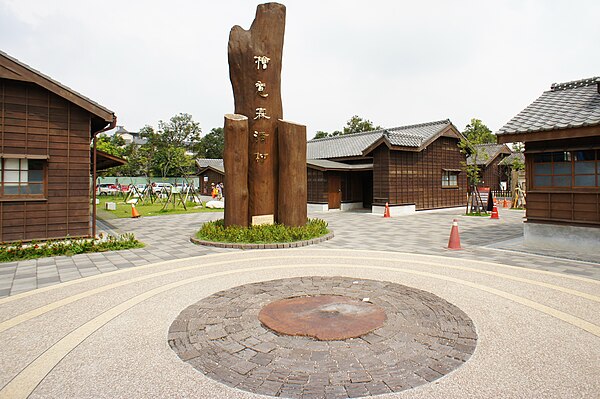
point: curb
(277, 245)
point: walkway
(167, 238)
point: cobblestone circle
(423, 339)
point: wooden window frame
(572, 161)
(446, 174)
(24, 197)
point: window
(449, 178)
(567, 169)
(22, 177)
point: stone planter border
(277, 245)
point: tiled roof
(352, 145)
(216, 164)
(565, 105)
(510, 159)
(488, 152)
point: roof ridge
(443, 121)
(575, 84)
(386, 130)
(348, 135)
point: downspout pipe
(112, 125)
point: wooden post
(292, 174)
(255, 58)
(235, 162)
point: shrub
(20, 251)
(261, 234)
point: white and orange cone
(454, 241)
(386, 212)
(134, 212)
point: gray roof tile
(565, 105)
(352, 145)
(214, 163)
(488, 152)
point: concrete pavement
(106, 336)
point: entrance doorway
(335, 191)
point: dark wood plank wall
(381, 175)
(317, 186)
(352, 187)
(578, 206)
(35, 121)
(492, 174)
(416, 177)
(213, 177)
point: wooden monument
(264, 156)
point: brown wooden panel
(560, 206)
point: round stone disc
(324, 317)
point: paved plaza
(167, 238)
(125, 324)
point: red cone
(454, 241)
(495, 213)
(386, 213)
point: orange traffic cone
(134, 212)
(454, 241)
(386, 213)
(495, 213)
(505, 203)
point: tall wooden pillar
(276, 150)
(235, 162)
(292, 174)
(255, 57)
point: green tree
(478, 133)
(475, 133)
(172, 161)
(356, 124)
(212, 144)
(112, 145)
(321, 134)
(181, 130)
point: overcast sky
(392, 62)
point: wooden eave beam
(570, 133)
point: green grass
(478, 214)
(261, 234)
(148, 209)
(69, 247)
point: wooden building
(489, 158)
(45, 135)
(414, 167)
(210, 171)
(561, 132)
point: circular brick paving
(423, 338)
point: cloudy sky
(393, 62)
